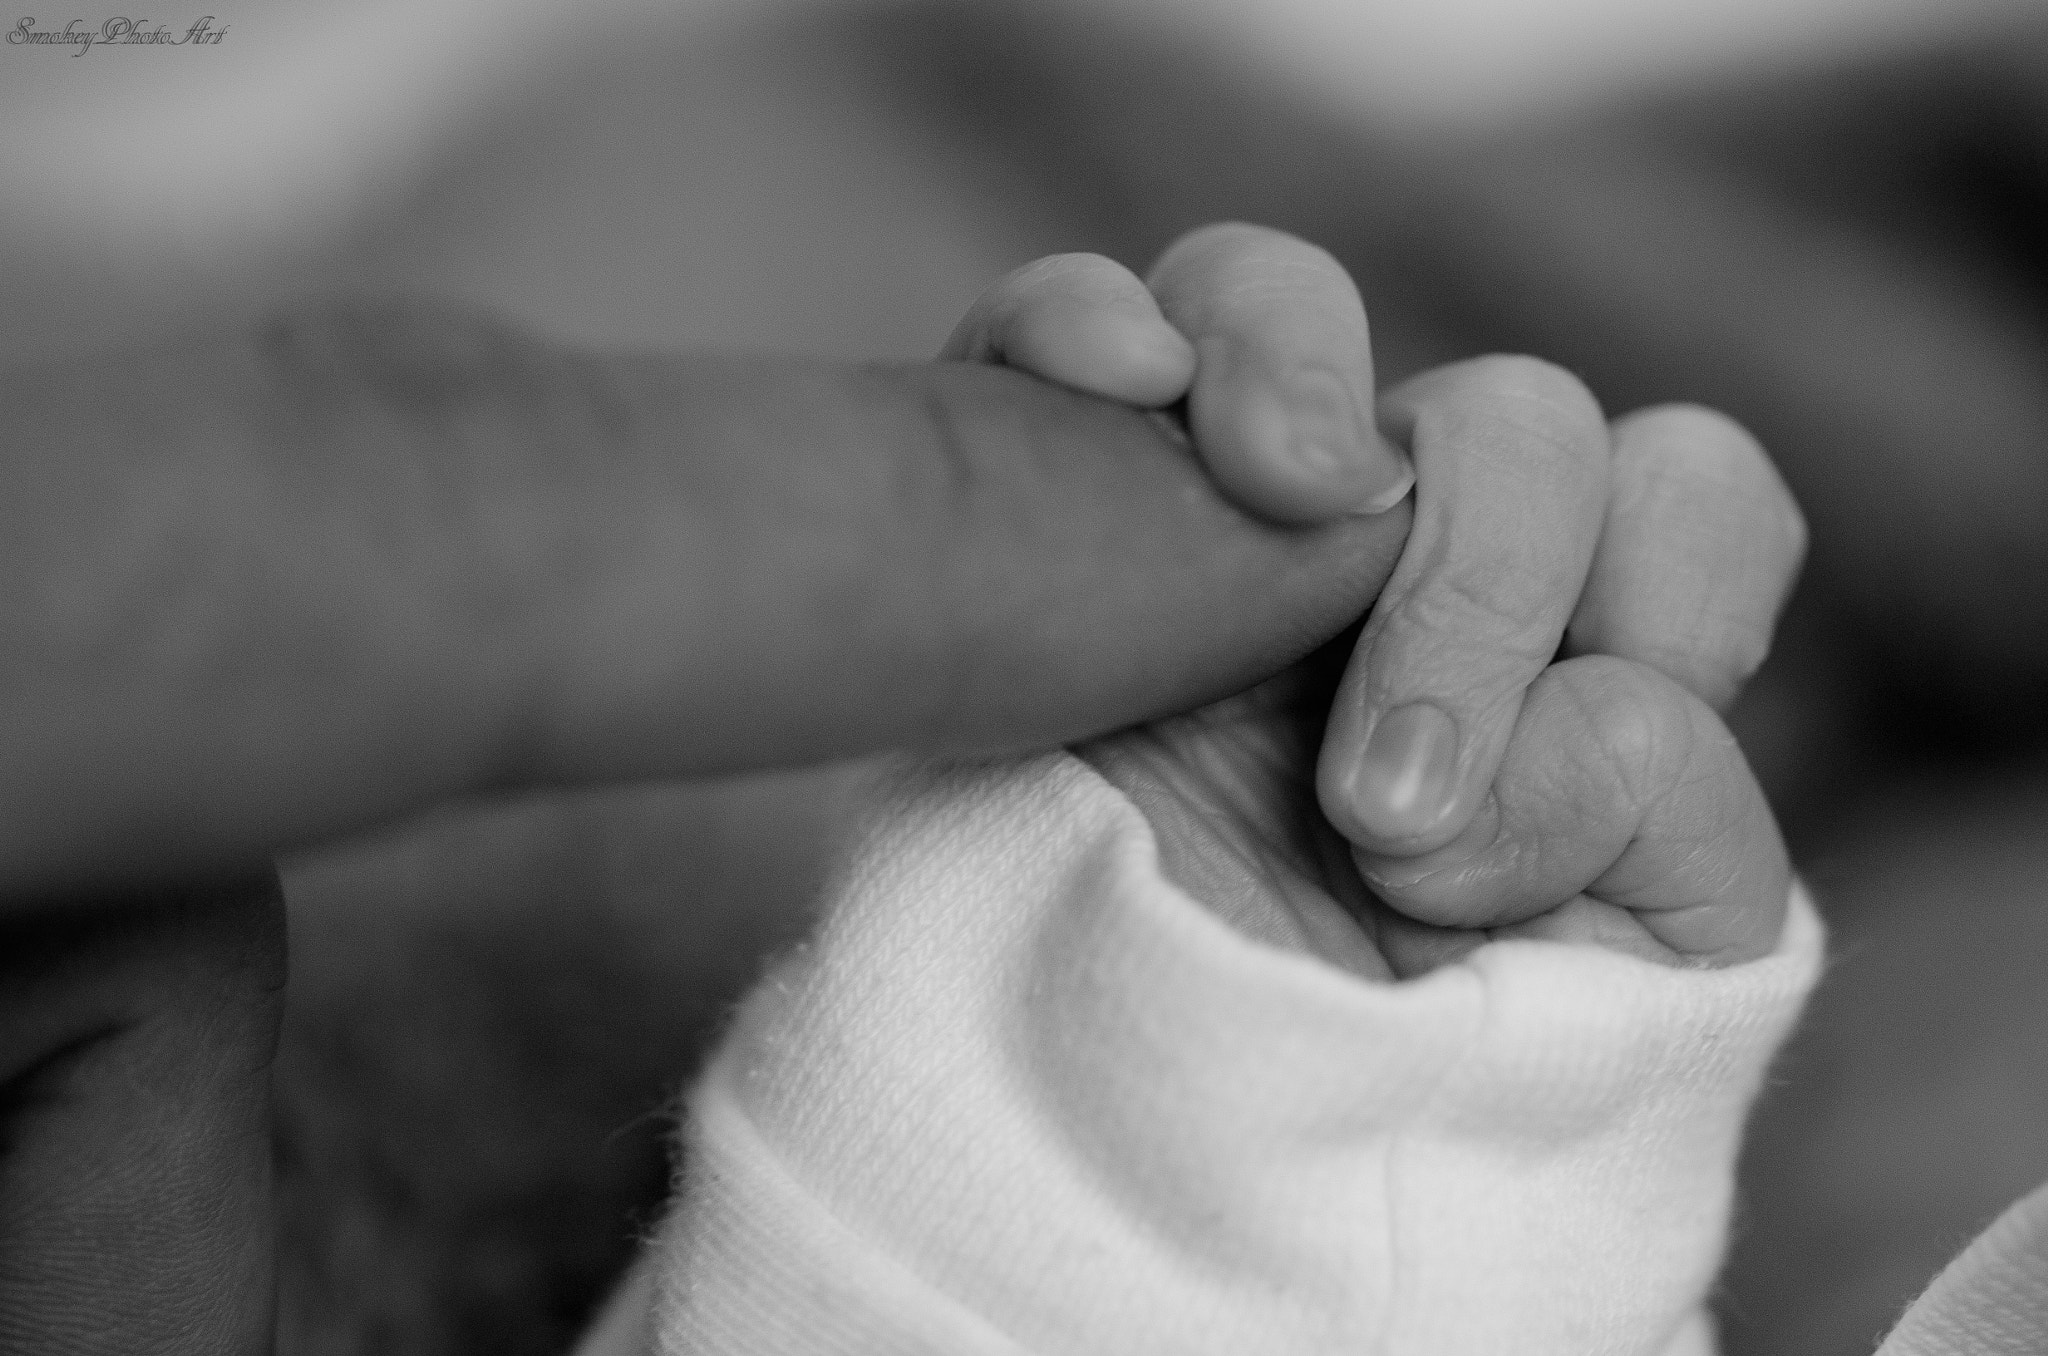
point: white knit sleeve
(1021, 1094)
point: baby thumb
(1992, 1300)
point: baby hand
(1481, 789)
(1262, 335)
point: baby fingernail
(1333, 442)
(1402, 783)
(1156, 345)
(1322, 425)
(1393, 475)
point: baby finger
(1083, 321)
(1623, 815)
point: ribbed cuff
(1021, 1094)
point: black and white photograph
(1024, 678)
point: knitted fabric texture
(1021, 1094)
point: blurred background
(1825, 216)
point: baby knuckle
(1633, 724)
(1248, 270)
(1061, 272)
(1290, 260)
(1696, 444)
(1540, 397)
(1079, 261)
(1492, 609)
(1698, 434)
(1673, 455)
(1522, 422)
(1201, 249)
(1227, 237)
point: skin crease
(136, 1033)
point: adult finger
(1511, 458)
(1081, 320)
(261, 591)
(1282, 403)
(1992, 1300)
(1701, 546)
(136, 1035)
(1622, 814)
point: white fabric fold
(1020, 1094)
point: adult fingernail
(1404, 779)
(1334, 443)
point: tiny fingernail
(1151, 342)
(1163, 341)
(1333, 442)
(1322, 425)
(1394, 475)
(1402, 783)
